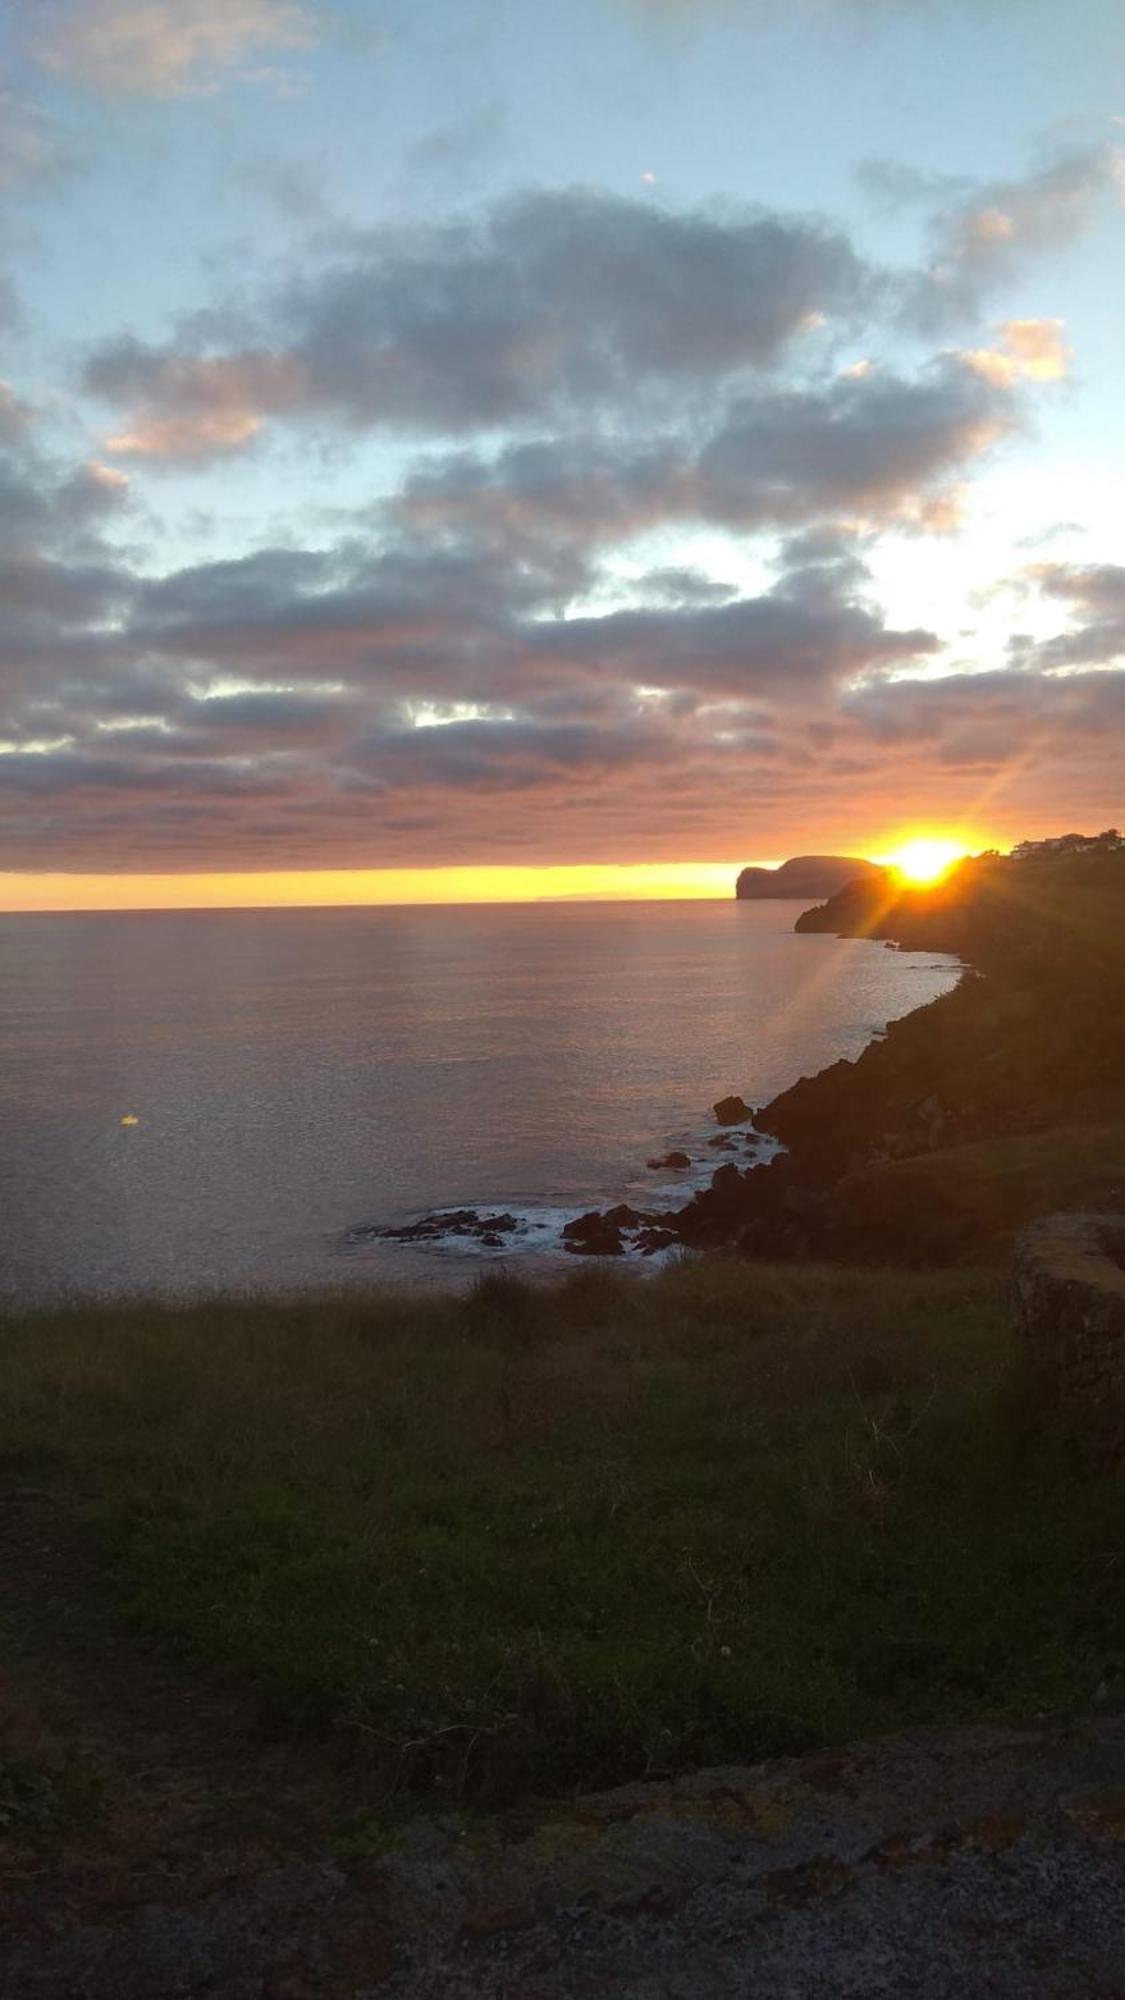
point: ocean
(241, 1099)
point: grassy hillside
(531, 1539)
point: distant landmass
(804, 875)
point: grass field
(535, 1538)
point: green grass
(532, 1539)
(965, 1202)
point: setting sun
(923, 861)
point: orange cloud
(941, 513)
(1030, 350)
(199, 406)
(990, 225)
(186, 437)
(167, 48)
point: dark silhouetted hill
(804, 875)
(1000, 1101)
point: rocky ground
(154, 1843)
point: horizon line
(40, 893)
(59, 891)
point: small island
(804, 875)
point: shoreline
(642, 1229)
(543, 1186)
(965, 1117)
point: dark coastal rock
(622, 1217)
(653, 1238)
(490, 1229)
(674, 1159)
(593, 1235)
(722, 1143)
(731, 1110)
(717, 1213)
(886, 1158)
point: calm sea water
(299, 1077)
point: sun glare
(925, 861)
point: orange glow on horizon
(315, 888)
(312, 888)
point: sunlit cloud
(492, 321)
(982, 238)
(185, 438)
(166, 48)
(1029, 350)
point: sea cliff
(1002, 1099)
(804, 875)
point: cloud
(550, 303)
(872, 445)
(1030, 350)
(1096, 593)
(461, 646)
(166, 48)
(452, 156)
(785, 644)
(748, 716)
(895, 184)
(197, 408)
(866, 444)
(34, 151)
(45, 508)
(517, 651)
(36, 155)
(573, 304)
(15, 417)
(982, 241)
(996, 719)
(284, 691)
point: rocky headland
(1000, 1101)
(804, 875)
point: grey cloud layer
(582, 370)
(263, 709)
(281, 690)
(1095, 594)
(552, 302)
(981, 239)
(863, 445)
(569, 301)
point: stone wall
(1070, 1291)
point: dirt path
(155, 1843)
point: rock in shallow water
(653, 1238)
(731, 1110)
(488, 1229)
(593, 1235)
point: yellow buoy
(129, 1119)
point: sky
(486, 449)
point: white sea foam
(537, 1227)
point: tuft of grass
(535, 1538)
(503, 1310)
